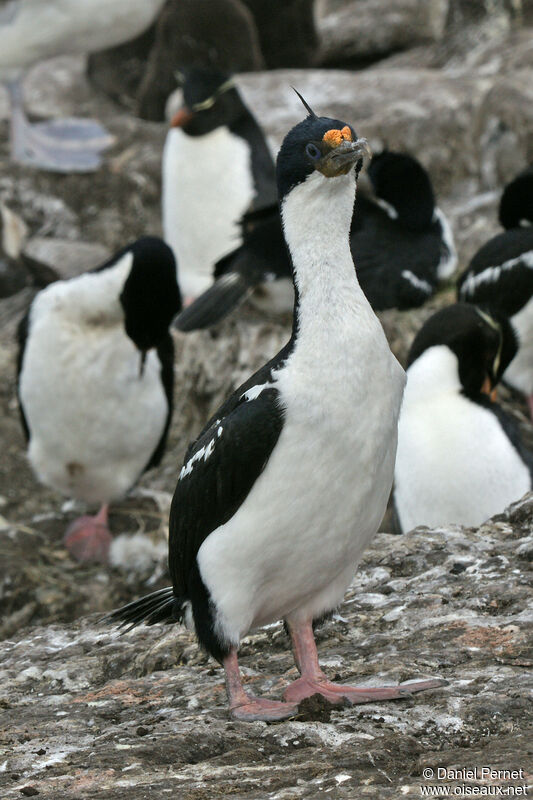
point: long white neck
(316, 219)
(434, 374)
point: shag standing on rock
(216, 166)
(500, 276)
(460, 457)
(32, 30)
(288, 482)
(400, 240)
(95, 382)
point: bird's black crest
(305, 103)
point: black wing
(500, 274)
(221, 467)
(165, 353)
(22, 338)
(512, 431)
(396, 267)
(263, 169)
(261, 257)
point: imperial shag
(287, 483)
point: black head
(402, 181)
(516, 205)
(318, 144)
(210, 99)
(484, 344)
(150, 296)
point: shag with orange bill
(286, 485)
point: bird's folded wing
(219, 471)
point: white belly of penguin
(455, 464)
(293, 547)
(94, 423)
(207, 187)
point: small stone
(142, 731)
(29, 791)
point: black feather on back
(500, 275)
(165, 354)
(220, 469)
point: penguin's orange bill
(181, 117)
(488, 390)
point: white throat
(316, 217)
(434, 373)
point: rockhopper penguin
(216, 167)
(287, 483)
(460, 458)
(95, 381)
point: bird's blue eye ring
(312, 151)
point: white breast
(207, 187)
(519, 373)
(94, 423)
(454, 463)
(293, 546)
(36, 29)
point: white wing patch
(418, 283)
(255, 391)
(203, 453)
(388, 208)
(492, 274)
(448, 259)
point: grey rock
(373, 28)
(87, 713)
(422, 111)
(58, 259)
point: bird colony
(280, 493)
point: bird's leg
(314, 681)
(248, 707)
(69, 145)
(88, 538)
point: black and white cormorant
(401, 242)
(95, 381)
(460, 458)
(32, 30)
(216, 166)
(287, 483)
(500, 275)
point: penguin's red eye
(312, 151)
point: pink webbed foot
(260, 708)
(88, 538)
(338, 694)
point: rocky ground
(88, 714)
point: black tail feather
(160, 606)
(215, 303)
